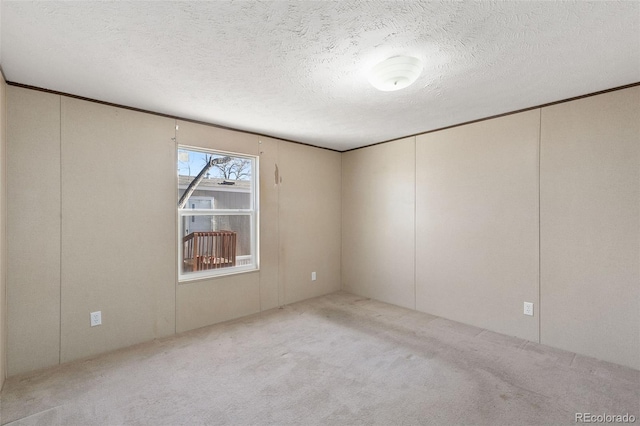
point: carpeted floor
(338, 359)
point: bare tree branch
(195, 182)
(235, 170)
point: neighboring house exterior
(219, 193)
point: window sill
(188, 279)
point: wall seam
(60, 276)
(415, 223)
(539, 227)
(280, 303)
(257, 222)
(3, 259)
(175, 231)
(341, 219)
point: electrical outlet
(96, 318)
(528, 308)
(313, 276)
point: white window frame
(252, 212)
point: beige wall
(590, 219)
(378, 222)
(33, 230)
(104, 182)
(3, 232)
(309, 221)
(203, 302)
(118, 219)
(497, 224)
(473, 243)
(69, 220)
(477, 223)
(299, 230)
(270, 289)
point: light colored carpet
(337, 359)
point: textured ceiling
(297, 70)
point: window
(217, 213)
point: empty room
(319, 212)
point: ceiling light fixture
(395, 73)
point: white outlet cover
(313, 276)
(528, 308)
(96, 318)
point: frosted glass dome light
(395, 73)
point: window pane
(224, 185)
(215, 241)
(212, 239)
